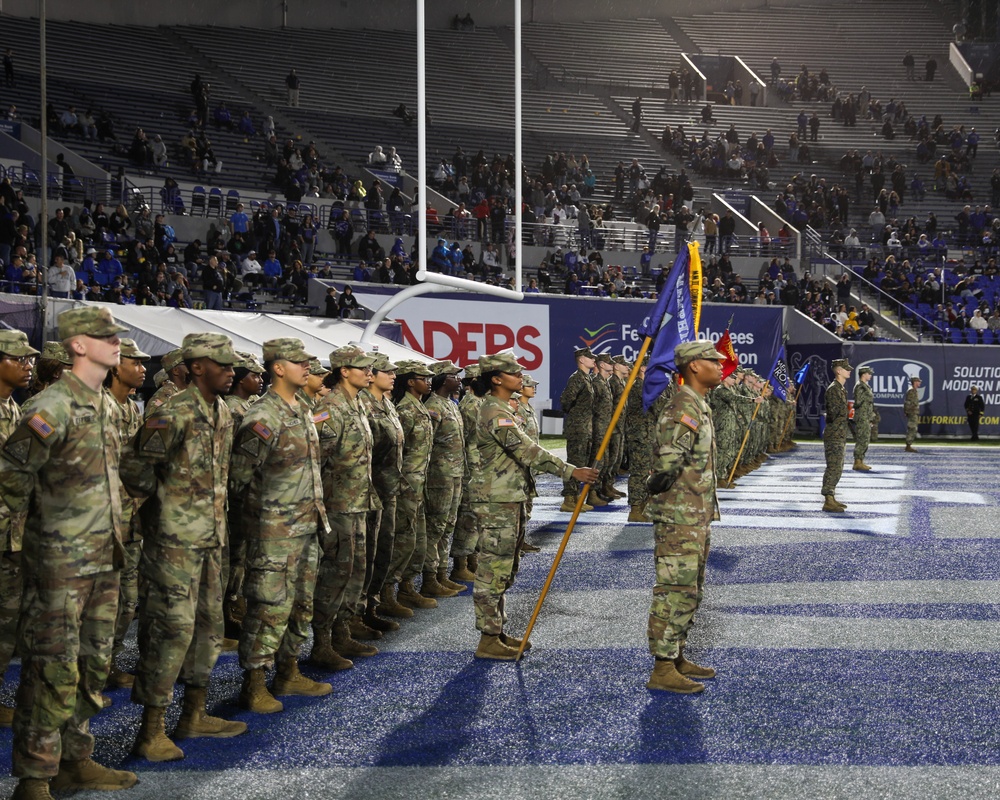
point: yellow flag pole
(583, 494)
(746, 436)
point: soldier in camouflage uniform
(418, 437)
(176, 380)
(275, 467)
(61, 461)
(911, 408)
(499, 493)
(387, 458)
(49, 367)
(620, 369)
(639, 428)
(349, 494)
(683, 504)
(180, 461)
(835, 434)
(526, 418)
(603, 409)
(864, 416)
(121, 383)
(247, 383)
(577, 403)
(443, 490)
(463, 546)
(17, 358)
(725, 402)
(316, 388)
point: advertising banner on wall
(947, 374)
(544, 330)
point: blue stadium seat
(198, 201)
(971, 336)
(232, 198)
(956, 336)
(988, 337)
(214, 202)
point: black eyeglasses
(24, 361)
(363, 369)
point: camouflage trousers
(279, 587)
(911, 429)
(66, 633)
(341, 577)
(236, 555)
(862, 437)
(727, 446)
(180, 622)
(10, 605)
(466, 526)
(411, 532)
(578, 454)
(441, 502)
(833, 448)
(612, 460)
(379, 541)
(639, 460)
(680, 552)
(503, 526)
(128, 593)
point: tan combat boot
(610, 491)
(431, 587)
(359, 630)
(377, 623)
(491, 647)
(514, 642)
(254, 695)
(88, 774)
(119, 679)
(197, 723)
(324, 656)
(152, 743)
(347, 646)
(691, 670)
(390, 605)
(32, 789)
(530, 547)
(635, 514)
(6, 716)
(666, 678)
(445, 581)
(595, 500)
(831, 505)
(911, 449)
(460, 571)
(289, 681)
(861, 466)
(473, 562)
(411, 598)
(230, 645)
(569, 506)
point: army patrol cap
(350, 355)
(88, 321)
(289, 349)
(54, 351)
(686, 352)
(129, 350)
(843, 363)
(866, 371)
(172, 359)
(216, 346)
(582, 351)
(316, 367)
(15, 343)
(160, 378)
(383, 364)
(445, 367)
(472, 371)
(408, 366)
(528, 381)
(504, 361)
(250, 363)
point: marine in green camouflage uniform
(180, 461)
(276, 461)
(499, 493)
(616, 446)
(639, 429)
(835, 433)
(577, 403)
(121, 382)
(603, 410)
(911, 408)
(346, 464)
(683, 504)
(61, 462)
(16, 362)
(727, 414)
(443, 489)
(463, 546)
(864, 417)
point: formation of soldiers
(750, 421)
(339, 502)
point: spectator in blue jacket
(108, 268)
(440, 258)
(272, 269)
(455, 259)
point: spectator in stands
(775, 70)
(246, 127)
(348, 303)
(222, 117)
(930, 68)
(636, 114)
(376, 157)
(369, 250)
(272, 269)
(293, 83)
(69, 122)
(342, 231)
(251, 270)
(140, 153)
(308, 232)
(120, 224)
(206, 159)
(393, 161)
(402, 113)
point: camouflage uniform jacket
(577, 400)
(418, 438)
(603, 407)
(276, 458)
(345, 441)
(60, 465)
(129, 420)
(161, 395)
(864, 404)
(506, 457)
(684, 463)
(238, 407)
(469, 407)
(836, 410)
(11, 525)
(387, 443)
(617, 386)
(181, 455)
(638, 423)
(448, 450)
(911, 404)
(529, 422)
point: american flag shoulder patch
(505, 422)
(689, 421)
(157, 423)
(38, 424)
(323, 416)
(262, 430)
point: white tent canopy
(157, 330)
